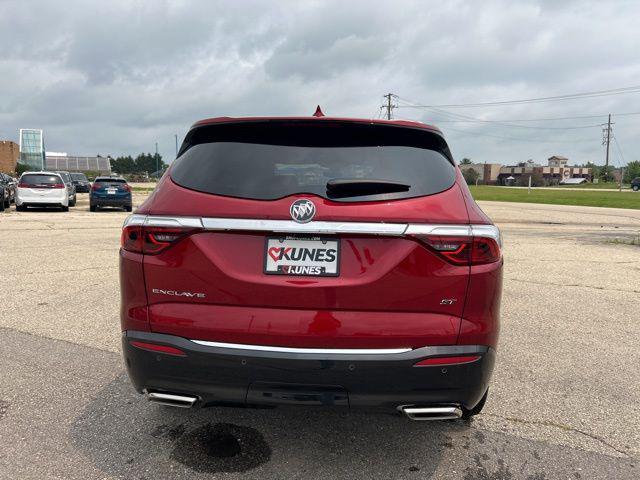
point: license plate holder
(302, 256)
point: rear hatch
(40, 187)
(110, 188)
(308, 234)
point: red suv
(312, 261)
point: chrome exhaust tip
(431, 413)
(171, 399)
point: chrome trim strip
(170, 399)
(134, 219)
(159, 221)
(426, 229)
(289, 226)
(487, 231)
(431, 413)
(339, 351)
(320, 227)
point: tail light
(479, 247)
(95, 186)
(24, 185)
(126, 187)
(151, 240)
(58, 185)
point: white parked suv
(41, 189)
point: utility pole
(389, 106)
(176, 144)
(157, 163)
(606, 140)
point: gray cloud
(115, 77)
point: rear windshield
(79, 176)
(270, 162)
(38, 179)
(110, 180)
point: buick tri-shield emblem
(303, 210)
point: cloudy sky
(115, 77)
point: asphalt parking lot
(564, 401)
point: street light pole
(157, 164)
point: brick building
(9, 155)
(555, 172)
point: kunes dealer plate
(317, 257)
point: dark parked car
(81, 182)
(7, 190)
(635, 184)
(110, 192)
(4, 196)
(312, 261)
(71, 189)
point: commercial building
(61, 161)
(556, 171)
(9, 155)
(487, 173)
(32, 148)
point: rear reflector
(152, 347)
(429, 362)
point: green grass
(609, 185)
(557, 197)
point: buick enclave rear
(312, 261)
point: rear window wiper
(354, 187)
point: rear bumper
(49, 201)
(236, 376)
(110, 201)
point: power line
(516, 139)
(597, 93)
(575, 117)
(547, 119)
(468, 119)
(615, 140)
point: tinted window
(110, 180)
(303, 161)
(79, 177)
(65, 177)
(38, 179)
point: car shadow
(109, 210)
(126, 436)
(43, 210)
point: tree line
(144, 162)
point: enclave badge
(303, 210)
